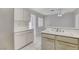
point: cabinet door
(20, 39)
(67, 39)
(30, 36)
(23, 38)
(18, 13)
(26, 15)
(65, 46)
(47, 44)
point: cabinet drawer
(65, 46)
(48, 36)
(66, 39)
(47, 44)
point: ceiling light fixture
(52, 10)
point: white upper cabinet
(21, 14)
(26, 15)
(18, 13)
(21, 17)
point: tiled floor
(34, 46)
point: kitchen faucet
(57, 29)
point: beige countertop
(66, 34)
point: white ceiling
(47, 11)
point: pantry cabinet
(58, 42)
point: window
(32, 21)
(40, 22)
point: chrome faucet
(57, 29)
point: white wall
(67, 20)
(6, 28)
(76, 12)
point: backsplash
(21, 23)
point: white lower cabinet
(23, 38)
(65, 46)
(47, 44)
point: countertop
(66, 34)
(20, 29)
